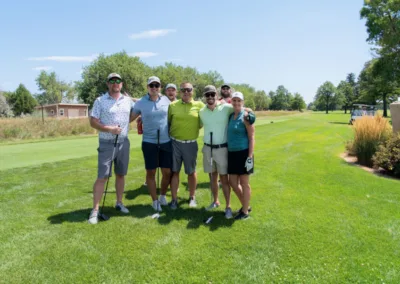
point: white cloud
(65, 58)
(44, 68)
(152, 34)
(143, 54)
(174, 60)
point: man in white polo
(111, 115)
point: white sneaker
(122, 208)
(163, 200)
(212, 206)
(228, 213)
(192, 202)
(93, 217)
(157, 206)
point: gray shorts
(121, 158)
(186, 153)
(219, 162)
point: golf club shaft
(158, 158)
(109, 173)
(211, 162)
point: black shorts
(152, 161)
(236, 162)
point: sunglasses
(225, 88)
(115, 81)
(154, 85)
(210, 95)
(184, 90)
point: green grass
(315, 218)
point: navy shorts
(155, 157)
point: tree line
(379, 80)
(134, 73)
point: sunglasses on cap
(207, 95)
(154, 85)
(184, 90)
(115, 81)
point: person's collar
(189, 102)
(111, 97)
(149, 97)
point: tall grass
(34, 127)
(369, 133)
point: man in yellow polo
(184, 123)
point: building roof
(62, 104)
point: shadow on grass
(196, 217)
(132, 194)
(336, 122)
(200, 185)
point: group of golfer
(170, 131)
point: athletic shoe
(122, 208)
(241, 216)
(93, 217)
(228, 213)
(240, 210)
(157, 206)
(163, 200)
(212, 206)
(173, 204)
(192, 202)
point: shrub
(369, 133)
(388, 155)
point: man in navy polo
(156, 143)
(111, 115)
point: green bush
(388, 155)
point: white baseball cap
(237, 95)
(153, 79)
(170, 85)
(113, 75)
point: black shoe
(173, 204)
(241, 216)
(240, 210)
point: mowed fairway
(315, 219)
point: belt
(224, 145)
(183, 141)
(111, 141)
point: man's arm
(96, 124)
(250, 134)
(133, 116)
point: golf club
(209, 220)
(158, 158)
(101, 214)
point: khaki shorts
(220, 160)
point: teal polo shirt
(216, 121)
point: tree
(22, 101)
(298, 102)
(377, 83)
(383, 23)
(5, 109)
(325, 95)
(280, 99)
(133, 71)
(53, 90)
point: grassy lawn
(315, 219)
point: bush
(388, 155)
(369, 133)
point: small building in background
(62, 110)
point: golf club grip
(116, 140)
(158, 137)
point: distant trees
(53, 90)
(325, 96)
(5, 109)
(18, 102)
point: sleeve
(229, 108)
(96, 110)
(251, 117)
(136, 108)
(132, 105)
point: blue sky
(298, 44)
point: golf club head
(209, 220)
(104, 217)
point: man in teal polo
(184, 124)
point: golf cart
(360, 110)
